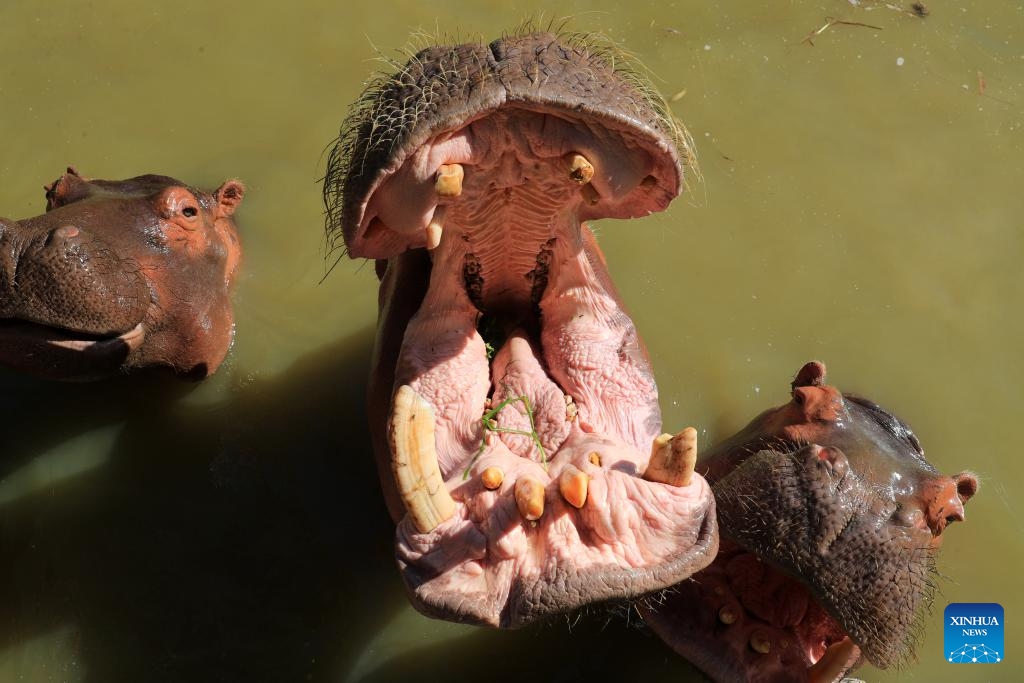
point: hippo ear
(816, 400)
(812, 374)
(69, 188)
(229, 196)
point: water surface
(860, 203)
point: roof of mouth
(443, 88)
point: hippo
(513, 409)
(830, 519)
(120, 275)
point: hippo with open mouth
(118, 276)
(513, 407)
(830, 519)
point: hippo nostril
(835, 461)
(62, 234)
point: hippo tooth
(434, 228)
(414, 461)
(580, 168)
(595, 458)
(449, 180)
(492, 478)
(760, 643)
(530, 498)
(726, 615)
(673, 458)
(834, 662)
(573, 483)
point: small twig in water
(829, 23)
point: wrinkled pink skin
(830, 518)
(487, 564)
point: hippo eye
(189, 212)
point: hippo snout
(68, 278)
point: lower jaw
(57, 354)
(594, 521)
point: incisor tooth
(834, 662)
(573, 484)
(726, 615)
(580, 168)
(530, 498)
(435, 228)
(760, 643)
(449, 180)
(492, 478)
(673, 458)
(414, 461)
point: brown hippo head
(830, 519)
(118, 276)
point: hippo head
(119, 275)
(514, 413)
(830, 519)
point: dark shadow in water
(241, 542)
(246, 541)
(599, 647)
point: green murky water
(861, 203)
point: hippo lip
(53, 353)
(71, 340)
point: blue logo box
(974, 633)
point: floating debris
(920, 9)
(829, 23)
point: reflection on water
(860, 204)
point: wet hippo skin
(830, 519)
(119, 276)
(513, 406)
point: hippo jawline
(50, 352)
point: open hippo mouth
(831, 519)
(515, 415)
